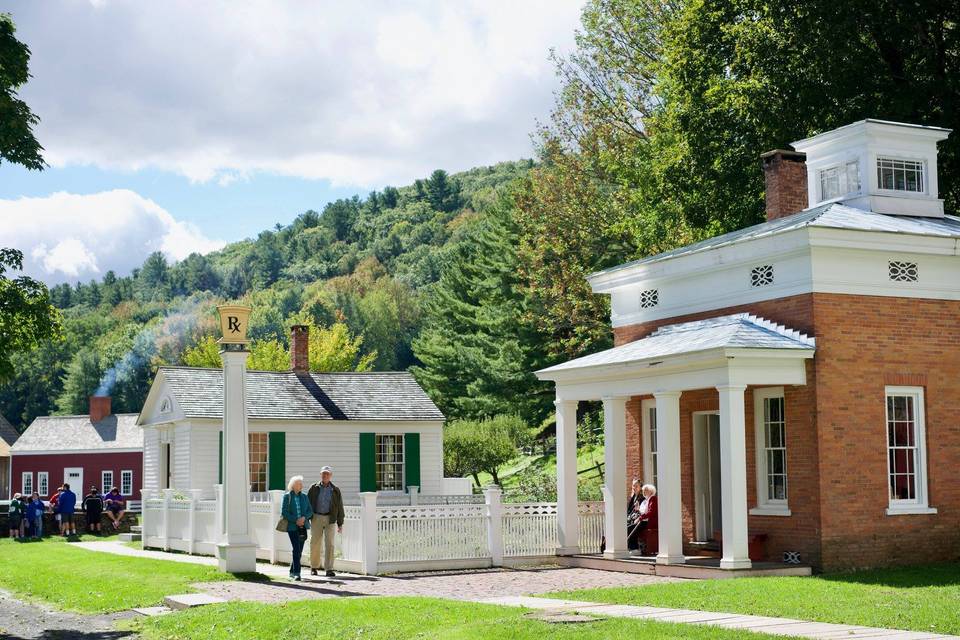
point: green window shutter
(277, 460)
(411, 459)
(220, 461)
(368, 462)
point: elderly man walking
(327, 505)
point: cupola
(876, 165)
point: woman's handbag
(282, 525)
(302, 533)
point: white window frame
(265, 436)
(43, 482)
(767, 506)
(402, 462)
(26, 483)
(124, 473)
(845, 188)
(648, 418)
(890, 158)
(104, 485)
(920, 504)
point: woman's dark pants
(297, 543)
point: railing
(379, 538)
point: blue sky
(179, 126)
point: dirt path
(21, 620)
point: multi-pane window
(896, 174)
(653, 446)
(649, 409)
(906, 448)
(26, 483)
(106, 481)
(390, 462)
(839, 180)
(775, 449)
(43, 483)
(126, 482)
(258, 461)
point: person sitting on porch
(297, 512)
(642, 513)
(114, 503)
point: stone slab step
(129, 537)
(190, 600)
(153, 611)
(136, 529)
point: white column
(368, 533)
(568, 519)
(733, 478)
(493, 498)
(669, 504)
(167, 497)
(276, 541)
(236, 551)
(615, 476)
(194, 495)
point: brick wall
(785, 178)
(836, 438)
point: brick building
(794, 382)
(100, 449)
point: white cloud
(358, 93)
(67, 237)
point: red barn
(100, 449)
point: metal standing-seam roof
(77, 433)
(833, 216)
(286, 395)
(737, 331)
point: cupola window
(839, 180)
(897, 174)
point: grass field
(400, 618)
(57, 573)
(925, 598)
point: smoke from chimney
(785, 175)
(300, 348)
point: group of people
(25, 513)
(317, 514)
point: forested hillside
(359, 271)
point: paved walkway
(30, 621)
(763, 624)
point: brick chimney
(300, 348)
(785, 175)
(99, 408)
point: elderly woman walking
(297, 513)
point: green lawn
(57, 573)
(925, 598)
(398, 618)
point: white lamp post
(236, 551)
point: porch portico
(728, 354)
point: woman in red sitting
(641, 514)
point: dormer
(876, 165)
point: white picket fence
(381, 538)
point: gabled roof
(737, 331)
(286, 395)
(832, 215)
(77, 433)
(8, 433)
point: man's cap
(326, 469)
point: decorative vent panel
(761, 276)
(901, 271)
(649, 298)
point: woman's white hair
(650, 487)
(293, 481)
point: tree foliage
(26, 315)
(17, 142)
(471, 447)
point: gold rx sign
(233, 323)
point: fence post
(167, 497)
(492, 495)
(218, 496)
(368, 532)
(144, 524)
(194, 495)
(414, 495)
(276, 503)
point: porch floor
(696, 567)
